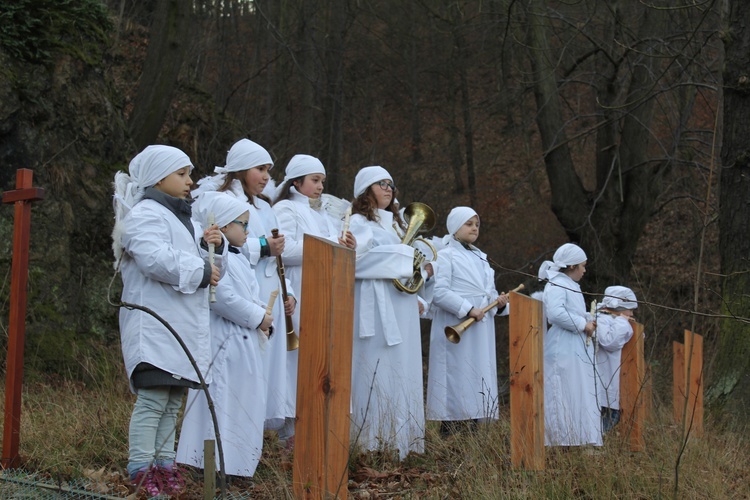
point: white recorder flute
(211, 258)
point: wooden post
(526, 382)
(22, 197)
(209, 469)
(678, 381)
(632, 381)
(321, 447)
(694, 382)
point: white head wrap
(146, 169)
(458, 217)
(369, 176)
(618, 297)
(299, 166)
(568, 254)
(224, 206)
(243, 155)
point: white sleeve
(555, 305)
(145, 239)
(443, 296)
(286, 216)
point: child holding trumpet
(571, 412)
(613, 331)
(240, 324)
(462, 377)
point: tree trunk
(730, 381)
(166, 50)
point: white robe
(612, 333)
(262, 220)
(237, 390)
(571, 412)
(387, 391)
(162, 268)
(296, 218)
(462, 378)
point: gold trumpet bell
(292, 341)
(454, 333)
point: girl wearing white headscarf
(387, 391)
(613, 331)
(163, 268)
(299, 210)
(571, 412)
(246, 175)
(238, 319)
(462, 378)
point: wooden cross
(22, 197)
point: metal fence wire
(19, 484)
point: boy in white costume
(164, 269)
(299, 210)
(238, 323)
(462, 378)
(387, 391)
(245, 176)
(613, 330)
(571, 412)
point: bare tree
(166, 51)
(731, 377)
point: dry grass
(71, 429)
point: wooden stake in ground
(22, 197)
(321, 447)
(694, 383)
(632, 382)
(678, 381)
(526, 320)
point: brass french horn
(421, 219)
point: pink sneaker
(149, 480)
(173, 479)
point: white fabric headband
(458, 217)
(369, 176)
(225, 208)
(619, 297)
(244, 155)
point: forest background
(619, 125)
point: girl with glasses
(387, 390)
(238, 330)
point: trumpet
(421, 219)
(292, 340)
(454, 333)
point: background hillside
(444, 97)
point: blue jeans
(610, 418)
(153, 426)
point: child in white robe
(299, 211)
(571, 411)
(163, 268)
(238, 323)
(387, 391)
(245, 175)
(462, 378)
(613, 330)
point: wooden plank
(325, 365)
(694, 382)
(632, 381)
(526, 322)
(678, 381)
(209, 469)
(17, 314)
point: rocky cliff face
(61, 120)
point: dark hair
(366, 204)
(285, 194)
(231, 176)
